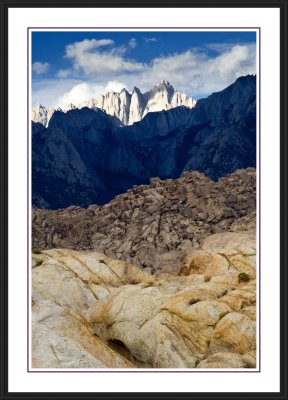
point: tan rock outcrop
(234, 333)
(62, 338)
(223, 256)
(223, 360)
(65, 284)
(90, 311)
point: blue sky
(75, 66)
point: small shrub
(243, 277)
(36, 251)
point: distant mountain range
(86, 156)
(128, 108)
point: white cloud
(114, 86)
(132, 43)
(152, 39)
(47, 91)
(39, 67)
(86, 58)
(80, 92)
(86, 45)
(63, 73)
(228, 64)
(197, 74)
(193, 72)
(85, 91)
(220, 47)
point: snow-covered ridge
(128, 108)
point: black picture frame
(282, 5)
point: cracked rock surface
(91, 311)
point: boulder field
(153, 226)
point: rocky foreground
(163, 276)
(154, 226)
(90, 311)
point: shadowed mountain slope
(85, 156)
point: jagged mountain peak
(93, 159)
(164, 83)
(128, 108)
(124, 90)
(136, 90)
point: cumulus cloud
(132, 43)
(86, 57)
(85, 91)
(199, 74)
(114, 86)
(48, 91)
(79, 92)
(229, 64)
(39, 67)
(193, 72)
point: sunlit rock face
(128, 108)
(90, 311)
